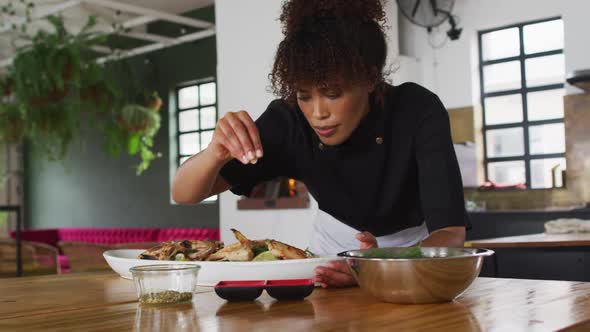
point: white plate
(121, 260)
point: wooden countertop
(105, 302)
(541, 240)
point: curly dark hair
(329, 42)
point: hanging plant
(55, 80)
(141, 125)
(48, 76)
(46, 70)
(135, 125)
(138, 119)
(98, 93)
(153, 101)
(12, 123)
(6, 84)
(53, 128)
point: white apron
(330, 236)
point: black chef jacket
(397, 170)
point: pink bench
(114, 236)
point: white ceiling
(171, 6)
(75, 17)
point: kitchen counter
(540, 240)
(573, 209)
(104, 301)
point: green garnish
(405, 253)
(259, 249)
(265, 256)
(180, 257)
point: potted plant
(153, 101)
(6, 84)
(12, 123)
(45, 70)
(141, 124)
(135, 118)
(50, 76)
(99, 93)
(133, 130)
(55, 81)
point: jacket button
(321, 146)
(379, 140)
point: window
(196, 119)
(522, 70)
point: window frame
(199, 107)
(523, 92)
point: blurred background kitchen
(101, 101)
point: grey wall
(90, 189)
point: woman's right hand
(337, 273)
(236, 136)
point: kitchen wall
(90, 189)
(452, 71)
(247, 36)
(248, 33)
(576, 192)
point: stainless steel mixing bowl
(439, 275)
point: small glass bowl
(166, 283)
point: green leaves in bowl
(404, 253)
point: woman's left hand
(337, 273)
(367, 240)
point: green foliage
(259, 248)
(136, 125)
(54, 81)
(265, 256)
(49, 76)
(405, 253)
(12, 123)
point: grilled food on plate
(242, 251)
(186, 250)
